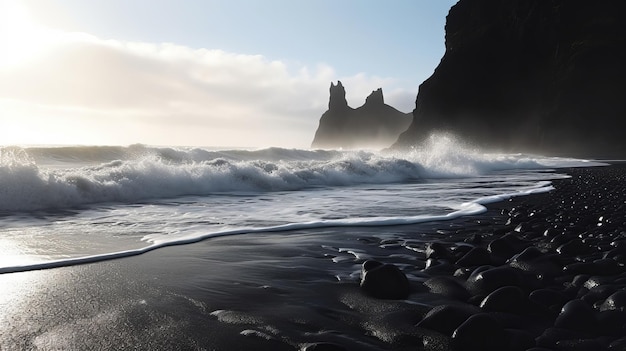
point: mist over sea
(67, 205)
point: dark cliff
(375, 124)
(543, 76)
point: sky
(240, 73)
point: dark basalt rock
(619, 344)
(605, 266)
(580, 345)
(506, 299)
(438, 267)
(437, 250)
(616, 301)
(519, 340)
(479, 332)
(506, 246)
(375, 124)
(572, 248)
(324, 346)
(477, 256)
(447, 287)
(483, 282)
(551, 299)
(445, 319)
(577, 316)
(551, 336)
(533, 261)
(542, 76)
(384, 281)
(612, 322)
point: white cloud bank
(84, 90)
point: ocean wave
(66, 177)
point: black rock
(580, 345)
(384, 281)
(598, 294)
(612, 322)
(572, 248)
(484, 282)
(506, 299)
(618, 345)
(577, 316)
(537, 263)
(502, 249)
(445, 319)
(519, 340)
(479, 332)
(551, 336)
(617, 301)
(324, 346)
(437, 267)
(548, 298)
(437, 250)
(602, 267)
(448, 287)
(535, 76)
(477, 256)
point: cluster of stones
(551, 276)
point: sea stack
(375, 124)
(543, 76)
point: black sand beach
(540, 272)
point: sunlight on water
(16, 289)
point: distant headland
(544, 76)
(375, 124)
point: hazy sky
(204, 72)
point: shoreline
(301, 291)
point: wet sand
(545, 270)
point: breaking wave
(64, 177)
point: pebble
(448, 287)
(549, 298)
(484, 281)
(553, 271)
(617, 301)
(506, 299)
(384, 281)
(578, 316)
(477, 256)
(572, 248)
(324, 346)
(446, 318)
(437, 250)
(479, 332)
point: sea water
(68, 205)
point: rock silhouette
(542, 76)
(375, 124)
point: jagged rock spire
(375, 98)
(374, 124)
(337, 96)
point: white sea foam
(469, 208)
(57, 178)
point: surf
(55, 178)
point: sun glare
(21, 38)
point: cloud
(87, 90)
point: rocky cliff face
(543, 76)
(375, 124)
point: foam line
(468, 208)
